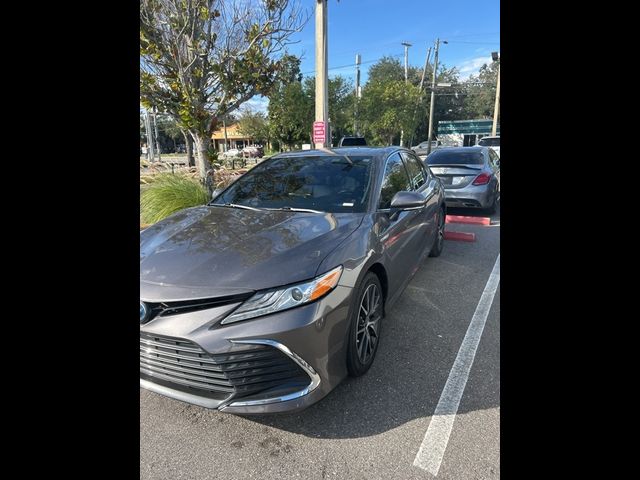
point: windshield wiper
(234, 205)
(293, 209)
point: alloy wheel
(368, 324)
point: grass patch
(168, 194)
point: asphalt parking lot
(373, 426)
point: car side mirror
(407, 200)
(216, 192)
(403, 200)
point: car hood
(217, 251)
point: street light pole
(433, 96)
(322, 87)
(494, 129)
(406, 61)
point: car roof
(363, 150)
(490, 136)
(463, 149)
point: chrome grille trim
(308, 369)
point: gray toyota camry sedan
(266, 298)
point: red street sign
(318, 132)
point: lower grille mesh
(185, 366)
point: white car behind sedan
(493, 142)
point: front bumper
(312, 336)
(471, 196)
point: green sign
(477, 127)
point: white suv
(493, 142)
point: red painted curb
(461, 236)
(468, 220)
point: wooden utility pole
(433, 95)
(322, 73)
(424, 73)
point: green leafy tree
(170, 130)
(202, 59)
(387, 107)
(390, 69)
(387, 101)
(447, 106)
(480, 92)
(289, 106)
(254, 125)
(288, 115)
(341, 104)
(388, 104)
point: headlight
(274, 300)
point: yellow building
(234, 137)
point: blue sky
(375, 28)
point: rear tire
(492, 209)
(365, 325)
(438, 243)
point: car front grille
(164, 309)
(183, 365)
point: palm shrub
(169, 193)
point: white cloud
(257, 104)
(472, 66)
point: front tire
(364, 329)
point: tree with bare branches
(202, 59)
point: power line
(475, 43)
(353, 64)
(471, 35)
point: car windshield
(444, 157)
(489, 142)
(327, 183)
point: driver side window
(395, 180)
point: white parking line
(429, 457)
